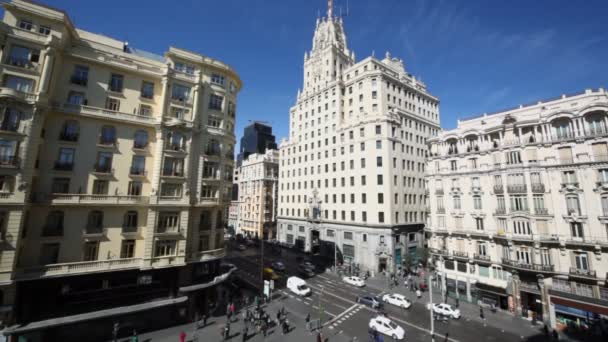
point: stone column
(195, 101)
(164, 95)
(45, 74)
(516, 295)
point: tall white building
(253, 213)
(352, 169)
(519, 208)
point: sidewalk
(212, 331)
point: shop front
(492, 295)
(577, 314)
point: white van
(298, 286)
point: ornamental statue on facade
(314, 205)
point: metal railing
(68, 136)
(524, 266)
(10, 161)
(538, 187)
(583, 272)
(63, 166)
(482, 257)
(136, 171)
(103, 169)
(517, 188)
(499, 189)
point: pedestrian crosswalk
(353, 310)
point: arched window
(54, 224)
(141, 139)
(108, 135)
(130, 221)
(95, 221)
(562, 128)
(10, 120)
(70, 131)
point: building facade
(254, 213)
(519, 208)
(115, 175)
(351, 174)
(257, 138)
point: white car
(355, 281)
(446, 310)
(387, 327)
(397, 300)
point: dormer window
(26, 25)
(45, 30)
(185, 68)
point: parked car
(446, 310)
(309, 265)
(371, 301)
(387, 327)
(278, 266)
(355, 281)
(269, 274)
(397, 300)
(241, 247)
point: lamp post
(431, 308)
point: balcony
(70, 199)
(93, 232)
(523, 211)
(443, 252)
(541, 211)
(52, 230)
(499, 189)
(438, 191)
(79, 80)
(78, 268)
(517, 188)
(500, 211)
(208, 255)
(528, 267)
(459, 254)
(10, 161)
(208, 201)
(71, 137)
(101, 169)
(455, 189)
(475, 189)
(137, 172)
(167, 230)
(129, 230)
(213, 152)
(173, 173)
(22, 63)
(140, 146)
(103, 113)
(585, 273)
(175, 147)
(538, 187)
(17, 95)
(570, 185)
(8, 126)
(63, 166)
(482, 258)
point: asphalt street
(334, 302)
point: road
(334, 302)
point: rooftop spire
(330, 8)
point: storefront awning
(580, 305)
(58, 321)
(214, 282)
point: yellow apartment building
(115, 176)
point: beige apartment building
(253, 214)
(115, 176)
(519, 208)
(352, 170)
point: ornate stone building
(115, 176)
(351, 173)
(519, 208)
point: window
(513, 157)
(348, 235)
(147, 90)
(22, 84)
(576, 228)
(581, 261)
(457, 203)
(171, 190)
(521, 227)
(134, 188)
(380, 180)
(545, 257)
(91, 249)
(104, 162)
(76, 98)
(130, 221)
(10, 120)
(481, 248)
(95, 222)
(45, 30)
(215, 102)
(519, 203)
(180, 93)
(523, 255)
(379, 161)
(140, 140)
(112, 104)
(217, 79)
(138, 166)
(477, 202)
(381, 217)
(65, 160)
(116, 83)
(330, 233)
(479, 223)
(453, 165)
(26, 24)
(380, 198)
(23, 57)
(185, 68)
(80, 75)
(569, 177)
(378, 144)
(573, 205)
(127, 249)
(168, 222)
(378, 129)
(54, 224)
(164, 248)
(100, 187)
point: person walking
(481, 315)
(134, 338)
(245, 331)
(307, 318)
(457, 302)
(204, 320)
(418, 293)
(182, 337)
(555, 335)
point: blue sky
(475, 55)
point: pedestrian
(134, 338)
(307, 318)
(232, 308)
(481, 315)
(418, 294)
(457, 302)
(182, 337)
(245, 333)
(546, 330)
(405, 283)
(319, 337)
(265, 329)
(204, 320)
(447, 337)
(555, 335)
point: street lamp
(431, 308)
